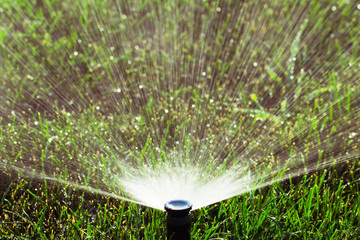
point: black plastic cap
(178, 208)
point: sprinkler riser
(178, 219)
(178, 229)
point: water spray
(178, 219)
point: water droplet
(353, 134)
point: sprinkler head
(178, 219)
(178, 208)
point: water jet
(141, 104)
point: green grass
(86, 83)
(318, 207)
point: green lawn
(94, 90)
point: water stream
(150, 101)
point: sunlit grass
(92, 89)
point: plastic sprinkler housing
(178, 219)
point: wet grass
(318, 207)
(84, 84)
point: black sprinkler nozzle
(178, 219)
